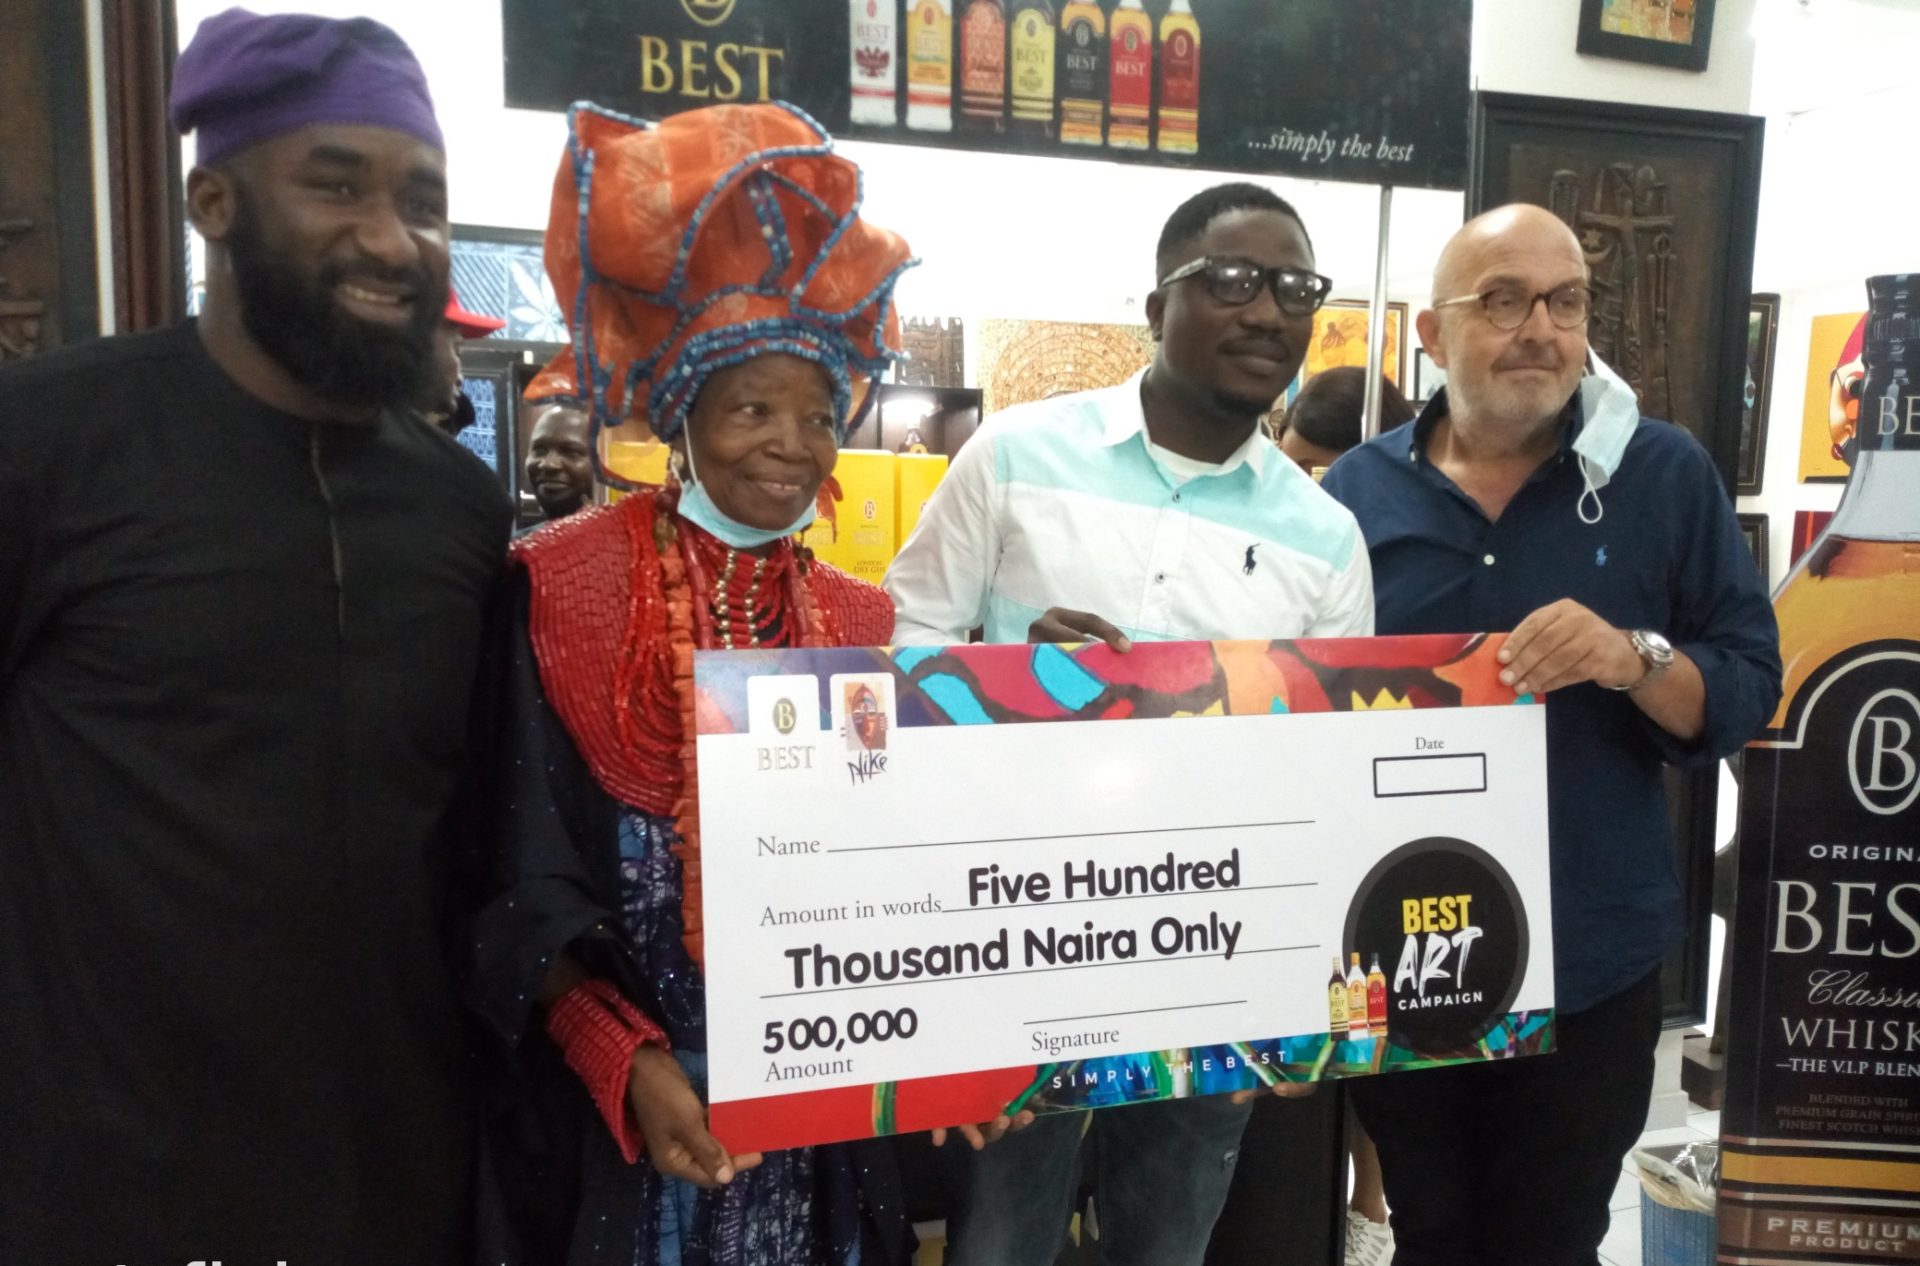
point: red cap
(470, 324)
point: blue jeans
(1161, 1173)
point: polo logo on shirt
(1600, 557)
(1247, 567)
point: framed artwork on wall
(502, 273)
(1665, 204)
(1672, 33)
(494, 371)
(1340, 333)
(936, 352)
(1754, 528)
(1831, 405)
(1763, 318)
(1036, 360)
(1807, 527)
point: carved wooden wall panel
(49, 288)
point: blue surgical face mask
(1610, 411)
(697, 508)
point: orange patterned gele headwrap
(705, 240)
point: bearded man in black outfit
(232, 725)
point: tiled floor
(1622, 1245)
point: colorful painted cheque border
(1025, 684)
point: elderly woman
(721, 286)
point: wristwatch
(1654, 650)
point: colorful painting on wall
(1834, 377)
(1807, 527)
(1673, 33)
(1340, 333)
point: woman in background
(1324, 419)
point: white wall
(1528, 46)
(1837, 79)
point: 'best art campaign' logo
(1448, 918)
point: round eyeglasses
(1508, 307)
(1236, 281)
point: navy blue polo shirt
(1667, 555)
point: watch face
(1657, 648)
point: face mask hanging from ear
(697, 508)
(1611, 411)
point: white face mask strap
(1591, 490)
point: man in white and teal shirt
(1154, 510)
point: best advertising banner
(940, 883)
(1820, 1149)
(1327, 89)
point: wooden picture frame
(1763, 327)
(1668, 202)
(1754, 528)
(507, 366)
(1675, 33)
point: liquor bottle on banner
(1179, 124)
(875, 72)
(1337, 1002)
(983, 66)
(1356, 999)
(930, 65)
(1377, 999)
(1030, 43)
(1130, 72)
(1821, 1124)
(1083, 73)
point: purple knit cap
(246, 78)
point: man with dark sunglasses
(1156, 509)
(1528, 497)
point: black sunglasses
(1235, 282)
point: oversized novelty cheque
(944, 883)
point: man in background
(241, 604)
(560, 461)
(444, 402)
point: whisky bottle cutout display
(1178, 131)
(1821, 1123)
(1130, 72)
(1337, 1002)
(1030, 66)
(1356, 1000)
(930, 65)
(875, 72)
(983, 66)
(1376, 999)
(1083, 73)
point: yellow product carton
(643, 461)
(856, 532)
(916, 475)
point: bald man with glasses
(1531, 496)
